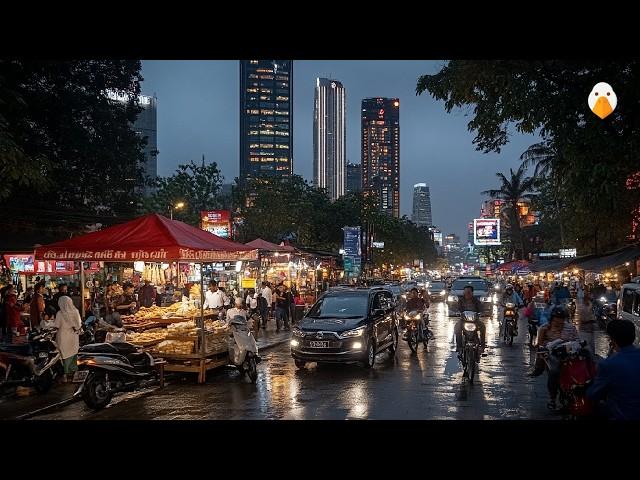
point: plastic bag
(116, 337)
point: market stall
(183, 333)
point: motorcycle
(243, 349)
(471, 345)
(510, 321)
(105, 369)
(34, 364)
(417, 329)
(577, 371)
(533, 321)
(608, 312)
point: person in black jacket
(469, 303)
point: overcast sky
(198, 113)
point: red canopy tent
(151, 238)
(261, 244)
(513, 266)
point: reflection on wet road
(426, 385)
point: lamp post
(177, 206)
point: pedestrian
(11, 311)
(580, 293)
(617, 381)
(68, 323)
(4, 293)
(37, 306)
(62, 292)
(268, 297)
(214, 297)
(28, 295)
(282, 308)
(237, 311)
(292, 304)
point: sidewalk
(12, 406)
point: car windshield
(476, 284)
(340, 306)
(436, 286)
(395, 289)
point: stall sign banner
(378, 244)
(217, 222)
(352, 241)
(548, 255)
(486, 231)
(20, 263)
(348, 264)
(568, 252)
(248, 283)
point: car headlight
(296, 332)
(469, 326)
(443, 292)
(294, 342)
(414, 317)
(452, 298)
(356, 332)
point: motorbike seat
(121, 348)
(138, 359)
(23, 349)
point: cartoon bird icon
(602, 100)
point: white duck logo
(602, 100)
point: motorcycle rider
(469, 303)
(558, 328)
(414, 303)
(511, 296)
(617, 380)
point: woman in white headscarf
(68, 324)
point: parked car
(347, 326)
(480, 290)
(629, 304)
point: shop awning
(265, 246)
(513, 266)
(609, 260)
(151, 238)
(550, 265)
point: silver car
(480, 290)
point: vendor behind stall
(124, 304)
(148, 296)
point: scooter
(471, 345)
(510, 321)
(243, 349)
(105, 369)
(417, 329)
(34, 364)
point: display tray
(146, 343)
(190, 356)
(138, 327)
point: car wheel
(393, 348)
(300, 363)
(370, 359)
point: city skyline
(198, 114)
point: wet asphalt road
(426, 385)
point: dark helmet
(559, 311)
(509, 288)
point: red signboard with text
(217, 222)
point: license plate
(80, 376)
(315, 344)
(43, 355)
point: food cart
(184, 334)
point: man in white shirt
(214, 298)
(266, 295)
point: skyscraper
(266, 116)
(381, 151)
(329, 137)
(146, 125)
(354, 177)
(421, 205)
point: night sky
(198, 110)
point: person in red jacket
(13, 313)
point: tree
(589, 159)
(64, 143)
(197, 186)
(512, 190)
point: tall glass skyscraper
(329, 137)
(381, 151)
(421, 205)
(266, 118)
(354, 177)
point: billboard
(217, 222)
(486, 231)
(352, 241)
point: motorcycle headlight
(356, 332)
(452, 298)
(603, 299)
(296, 332)
(509, 305)
(485, 299)
(470, 327)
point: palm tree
(513, 190)
(545, 157)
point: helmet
(509, 288)
(559, 311)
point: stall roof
(151, 238)
(609, 260)
(514, 265)
(261, 244)
(550, 265)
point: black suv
(347, 325)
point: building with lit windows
(329, 138)
(421, 205)
(381, 152)
(266, 118)
(493, 209)
(354, 177)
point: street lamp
(177, 206)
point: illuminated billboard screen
(486, 231)
(217, 222)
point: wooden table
(199, 364)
